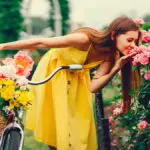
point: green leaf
(132, 92)
(134, 68)
(1, 101)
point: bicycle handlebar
(69, 67)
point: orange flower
(24, 63)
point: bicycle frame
(13, 125)
(9, 127)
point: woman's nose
(132, 45)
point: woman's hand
(122, 61)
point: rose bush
(135, 125)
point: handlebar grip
(75, 67)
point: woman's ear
(113, 35)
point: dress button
(70, 145)
(69, 82)
(71, 72)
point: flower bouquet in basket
(14, 91)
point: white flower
(22, 82)
(9, 71)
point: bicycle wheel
(12, 140)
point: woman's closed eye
(130, 40)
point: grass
(31, 144)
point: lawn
(31, 144)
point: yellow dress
(62, 113)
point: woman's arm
(106, 72)
(74, 39)
(102, 76)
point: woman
(61, 114)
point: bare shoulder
(78, 38)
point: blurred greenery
(108, 94)
(65, 14)
(11, 23)
(146, 26)
(30, 143)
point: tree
(65, 10)
(11, 21)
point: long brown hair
(102, 39)
(121, 25)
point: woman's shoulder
(81, 37)
(79, 40)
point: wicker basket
(3, 123)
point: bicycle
(13, 134)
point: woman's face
(127, 41)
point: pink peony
(147, 75)
(146, 38)
(24, 63)
(142, 125)
(139, 21)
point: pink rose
(114, 143)
(139, 21)
(142, 56)
(117, 111)
(134, 141)
(130, 146)
(146, 38)
(110, 120)
(143, 59)
(112, 107)
(142, 125)
(147, 75)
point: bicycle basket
(3, 123)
